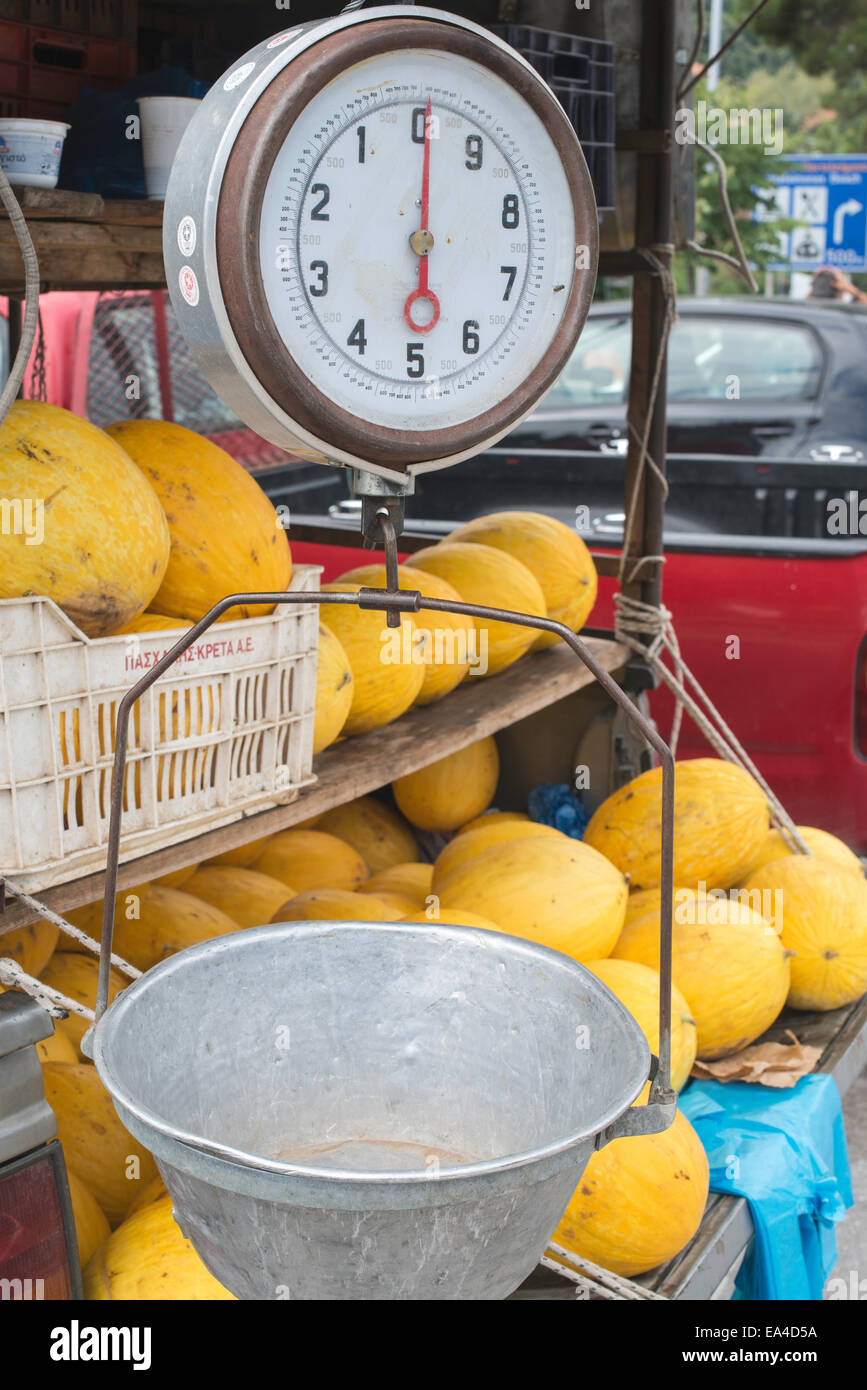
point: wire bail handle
(656, 1115)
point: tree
(827, 36)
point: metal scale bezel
(211, 240)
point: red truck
(765, 539)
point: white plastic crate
(227, 730)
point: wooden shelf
(365, 763)
(85, 243)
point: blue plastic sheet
(555, 804)
(785, 1151)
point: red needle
(423, 291)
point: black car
(786, 378)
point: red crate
(43, 70)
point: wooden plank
(67, 205)
(144, 212)
(50, 237)
(365, 763)
(38, 203)
(91, 270)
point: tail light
(35, 1227)
(861, 701)
(38, 1248)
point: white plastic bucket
(163, 122)
(30, 150)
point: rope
(14, 977)
(31, 295)
(75, 932)
(53, 1002)
(645, 460)
(633, 622)
(593, 1278)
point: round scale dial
(381, 238)
(416, 240)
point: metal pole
(653, 230)
(714, 42)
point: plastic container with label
(30, 151)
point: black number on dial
(511, 271)
(415, 359)
(471, 336)
(361, 144)
(474, 152)
(357, 338)
(319, 268)
(418, 122)
(510, 211)
(317, 215)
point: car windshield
(709, 358)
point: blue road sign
(828, 193)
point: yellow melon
(178, 877)
(32, 946)
(75, 974)
(554, 553)
(818, 842)
(647, 900)
(57, 1048)
(639, 1202)
(336, 905)
(451, 790)
(470, 843)
(486, 576)
(103, 541)
(171, 919)
(410, 880)
(492, 817)
(151, 1192)
(727, 961)
(720, 824)
(150, 622)
(305, 859)
(387, 663)
(824, 924)
(248, 897)
(91, 1223)
(374, 829)
(556, 891)
(449, 636)
(637, 988)
(149, 1259)
(453, 917)
(104, 1155)
(226, 537)
(334, 688)
(244, 856)
(400, 903)
(89, 917)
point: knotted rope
(649, 631)
(13, 976)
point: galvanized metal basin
(369, 1111)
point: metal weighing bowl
(403, 1110)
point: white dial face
(417, 241)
